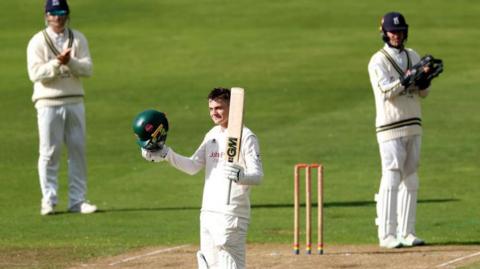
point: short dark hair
(220, 93)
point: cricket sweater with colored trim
(211, 156)
(56, 84)
(398, 109)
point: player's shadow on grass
(454, 243)
(173, 208)
(351, 203)
(326, 205)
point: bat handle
(229, 192)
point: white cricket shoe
(47, 209)
(83, 208)
(411, 240)
(390, 242)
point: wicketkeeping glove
(155, 156)
(233, 172)
(423, 72)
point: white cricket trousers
(223, 232)
(397, 196)
(58, 125)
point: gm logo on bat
(232, 148)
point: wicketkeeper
(223, 228)
(400, 79)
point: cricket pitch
(260, 256)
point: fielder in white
(57, 57)
(223, 228)
(399, 130)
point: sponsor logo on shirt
(216, 155)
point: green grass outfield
(304, 66)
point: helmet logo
(159, 130)
(396, 21)
(149, 127)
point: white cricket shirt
(398, 109)
(211, 155)
(56, 84)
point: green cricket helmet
(151, 127)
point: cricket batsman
(223, 226)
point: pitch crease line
(148, 254)
(459, 259)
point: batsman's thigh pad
(207, 239)
(407, 205)
(387, 204)
(221, 232)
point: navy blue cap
(57, 7)
(394, 22)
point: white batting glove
(233, 172)
(155, 156)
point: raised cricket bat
(234, 130)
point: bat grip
(229, 191)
